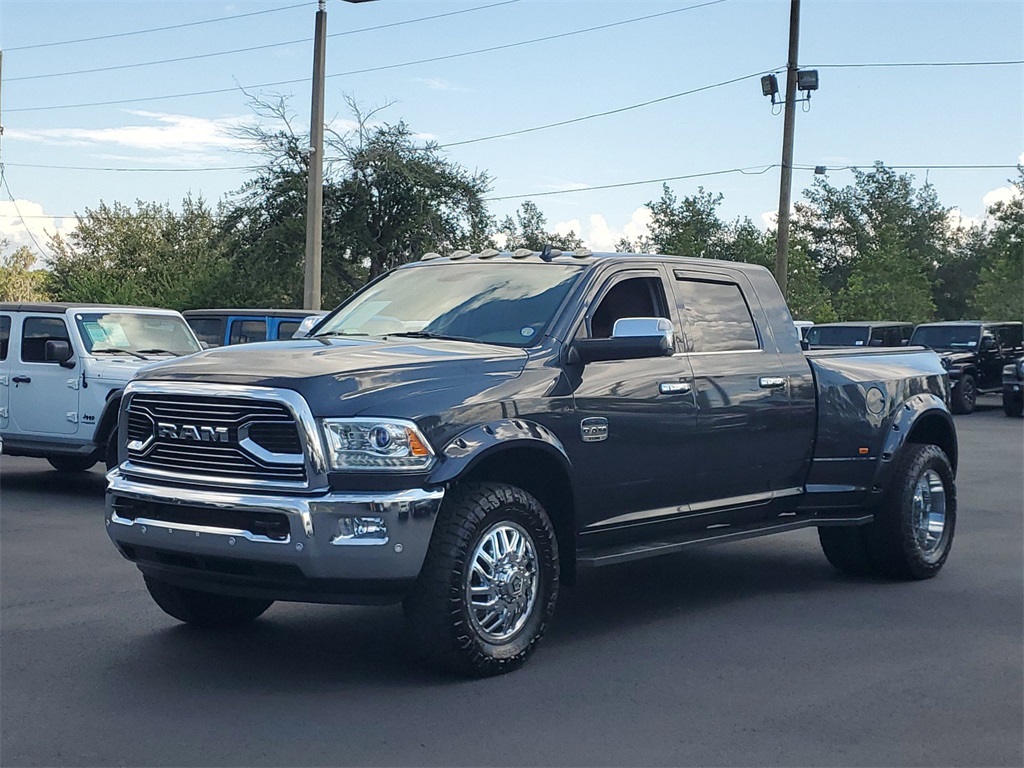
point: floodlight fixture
(807, 79)
(820, 170)
(770, 86)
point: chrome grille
(215, 437)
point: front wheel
(965, 395)
(488, 586)
(71, 464)
(1013, 405)
(205, 609)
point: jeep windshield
(837, 336)
(135, 334)
(946, 336)
(509, 304)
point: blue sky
(925, 116)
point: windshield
(837, 336)
(133, 333)
(509, 304)
(946, 336)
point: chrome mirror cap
(632, 327)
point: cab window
(5, 335)
(632, 297)
(715, 316)
(287, 328)
(210, 330)
(246, 331)
(35, 332)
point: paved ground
(755, 653)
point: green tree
(529, 230)
(151, 255)
(19, 281)
(883, 220)
(1000, 291)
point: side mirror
(632, 338)
(805, 344)
(988, 344)
(58, 351)
(875, 343)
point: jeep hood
(347, 376)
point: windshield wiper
(159, 352)
(338, 333)
(116, 351)
(429, 335)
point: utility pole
(789, 124)
(315, 193)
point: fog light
(361, 530)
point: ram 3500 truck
(466, 433)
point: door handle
(771, 382)
(674, 387)
(21, 379)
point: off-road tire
(205, 609)
(964, 395)
(437, 608)
(887, 547)
(1013, 406)
(846, 550)
(71, 464)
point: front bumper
(336, 547)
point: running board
(713, 534)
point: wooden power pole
(311, 294)
(789, 125)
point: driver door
(43, 394)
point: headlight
(376, 444)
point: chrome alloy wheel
(928, 515)
(502, 582)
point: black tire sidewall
(924, 458)
(540, 533)
(962, 403)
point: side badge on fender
(594, 429)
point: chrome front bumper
(336, 536)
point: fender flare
(468, 448)
(914, 411)
(108, 419)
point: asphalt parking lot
(755, 653)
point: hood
(953, 359)
(117, 369)
(345, 376)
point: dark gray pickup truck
(466, 433)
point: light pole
(311, 287)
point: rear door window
(246, 331)
(287, 328)
(715, 316)
(35, 332)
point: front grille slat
(267, 424)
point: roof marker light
(489, 253)
(459, 255)
(430, 255)
(521, 253)
(582, 253)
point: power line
(262, 47)
(3, 180)
(962, 167)
(756, 170)
(157, 29)
(430, 60)
(607, 112)
(899, 64)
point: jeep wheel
(205, 609)
(71, 464)
(1013, 405)
(965, 395)
(488, 586)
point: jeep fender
(107, 423)
(923, 418)
(466, 450)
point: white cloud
(36, 224)
(999, 195)
(181, 134)
(956, 219)
(438, 84)
(599, 235)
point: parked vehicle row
(464, 433)
(220, 327)
(977, 355)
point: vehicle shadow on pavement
(42, 479)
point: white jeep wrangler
(63, 368)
